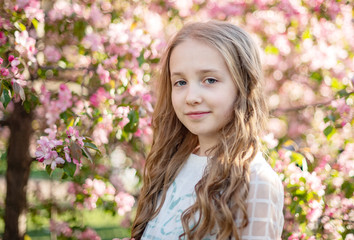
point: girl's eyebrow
(202, 71)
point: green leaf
(69, 169)
(20, 26)
(132, 126)
(19, 90)
(27, 106)
(5, 98)
(64, 176)
(270, 49)
(49, 170)
(316, 76)
(35, 23)
(91, 145)
(7, 85)
(336, 84)
(79, 29)
(329, 131)
(348, 189)
(306, 34)
(3, 156)
(329, 118)
(343, 93)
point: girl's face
(203, 91)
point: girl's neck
(204, 146)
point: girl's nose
(193, 96)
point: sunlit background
(77, 92)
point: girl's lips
(196, 115)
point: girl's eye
(210, 80)
(180, 83)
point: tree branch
(299, 108)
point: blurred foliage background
(77, 92)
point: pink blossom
(52, 54)
(25, 45)
(118, 33)
(315, 211)
(2, 38)
(60, 9)
(44, 95)
(46, 152)
(60, 228)
(184, 7)
(88, 183)
(270, 140)
(341, 106)
(93, 41)
(88, 234)
(51, 132)
(14, 62)
(67, 154)
(99, 97)
(65, 98)
(122, 112)
(124, 202)
(22, 3)
(14, 70)
(153, 23)
(345, 160)
(73, 134)
(282, 43)
(103, 74)
(33, 10)
(98, 19)
(1, 60)
(110, 190)
(111, 62)
(102, 130)
(144, 131)
(4, 72)
(99, 187)
(90, 202)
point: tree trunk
(18, 169)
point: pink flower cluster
(62, 229)
(124, 202)
(52, 54)
(25, 45)
(338, 210)
(301, 236)
(96, 189)
(3, 38)
(345, 111)
(32, 9)
(88, 234)
(13, 63)
(48, 150)
(53, 108)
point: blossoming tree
(76, 90)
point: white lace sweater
(265, 202)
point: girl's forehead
(194, 54)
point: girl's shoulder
(263, 176)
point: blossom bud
(11, 57)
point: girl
(205, 177)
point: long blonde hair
(223, 189)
